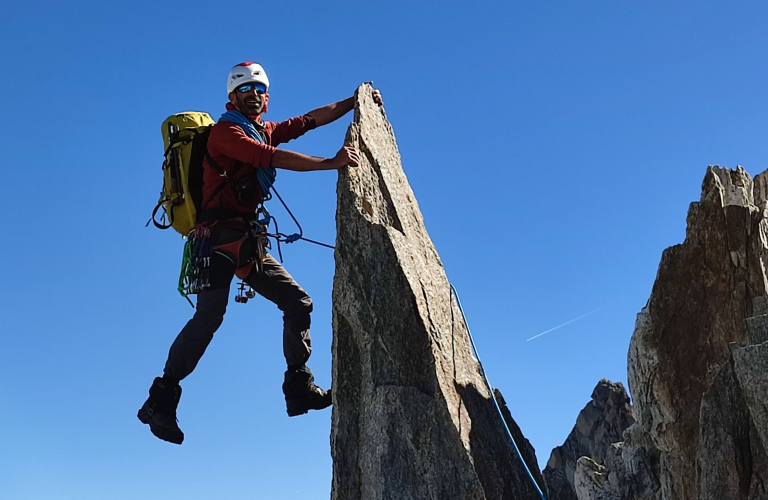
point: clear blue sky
(554, 148)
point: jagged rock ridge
(698, 362)
(731, 461)
(703, 293)
(600, 424)
(412, 417)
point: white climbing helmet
(246, 72)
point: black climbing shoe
(314, 399)
(301, 393)
(159, 411)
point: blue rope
(265, 175)
(490, 391)
(240, 119)
(290, 238)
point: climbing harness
(455, 294)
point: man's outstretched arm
(333, 112)
(290, 160)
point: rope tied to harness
(266, 177)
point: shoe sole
(143, 416)
(146, 418)
(296, 407)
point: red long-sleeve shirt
(229, 145)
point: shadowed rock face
(412, 417)
(599, 425)
(703, 292)
(731, 457)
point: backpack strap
(226, 178)
(160, 225)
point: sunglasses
(248, 87)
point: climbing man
(242, 146)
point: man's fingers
(355, 156)
(351, 155)
(377, 97)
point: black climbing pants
(273, 283)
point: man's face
(249, 98)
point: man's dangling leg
(192, 341)
(159, 411)
(276, 285)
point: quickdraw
(196, 262)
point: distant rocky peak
(733, 187)
(705, 289)
(600, 424)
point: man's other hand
(376, 95)
(347, 156)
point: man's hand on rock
(376, 95)
(347, 156)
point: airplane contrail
(575, 319)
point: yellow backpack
(185, 136)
